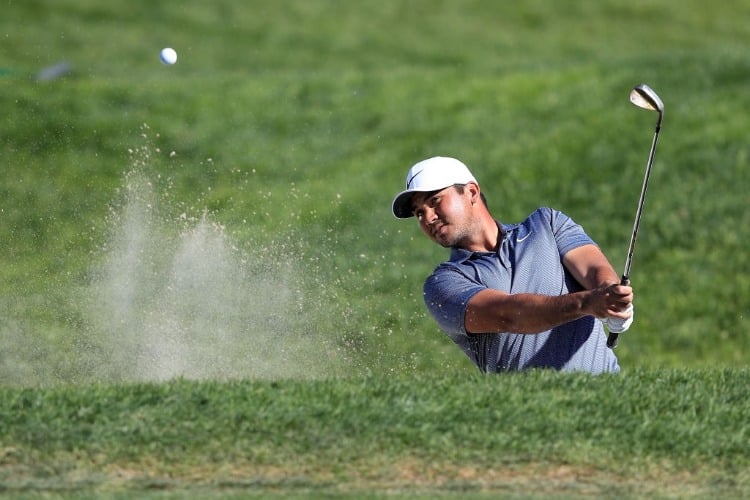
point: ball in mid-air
(168, 56)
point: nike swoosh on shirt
(519, 239)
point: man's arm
(493, 311)
(590, 267)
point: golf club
(644, 97)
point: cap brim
(402, 204)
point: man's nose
(429, 216)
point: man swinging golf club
(514, 296)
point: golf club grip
(612, 339)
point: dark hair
(460, 189)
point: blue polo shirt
(528, 260)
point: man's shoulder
(449, 266)
(545, 213)
(542, 217)
(451, 269)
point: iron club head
(644, 97)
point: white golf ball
(168, 56)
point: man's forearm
(590, 267)
(491, 311)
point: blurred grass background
(292, 124)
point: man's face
(445, 215)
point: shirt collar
(461, 255)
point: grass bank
(648, 433)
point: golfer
(514, 296)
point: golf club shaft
(625, 280)
(639, 211)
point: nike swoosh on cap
(411, 179)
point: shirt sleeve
(447, 291)
(568, 234)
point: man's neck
(487, 237)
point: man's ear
(473, 189)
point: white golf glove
(618, 325)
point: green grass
(652, 433)
(228, 219)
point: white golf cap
(432, 174)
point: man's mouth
(437, 229)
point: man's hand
(620, 325)
(608, 301)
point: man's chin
(443, 241)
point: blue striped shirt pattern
(528, 260)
